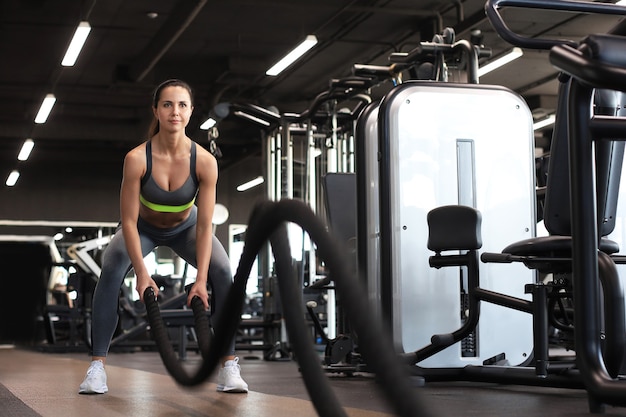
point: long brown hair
(156, 96)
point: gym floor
(36, 384)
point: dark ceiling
(222, 48)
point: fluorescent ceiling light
(292, 56)
(12, 178)
(548, 121)
(45, 109)
(208, 123)
(513, 54)
(251, 118)
(80, 36)
(252, 183)
(27, 147)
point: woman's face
(173, 109)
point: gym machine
(318, 143)
(584, 302)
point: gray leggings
(116, 264)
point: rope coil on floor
(159, 332)
(268, 222)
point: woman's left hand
(201, 292)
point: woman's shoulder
(206, 164)
(138, 150)
(136, 155)
(203, 153)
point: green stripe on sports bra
(162, 208)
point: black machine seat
(548, 254)
(555, 246)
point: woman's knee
(220, 272)
(115, 263)
(220, 263)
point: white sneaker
(229, 378)
(95, 381)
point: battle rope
(268, 221)
(159, 332)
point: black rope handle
(268, 221)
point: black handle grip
(499, 258)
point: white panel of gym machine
(471, 145)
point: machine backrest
(340, 193)
(609, 156)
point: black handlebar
(598, 73)
(492, 9)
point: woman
(167, 198)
